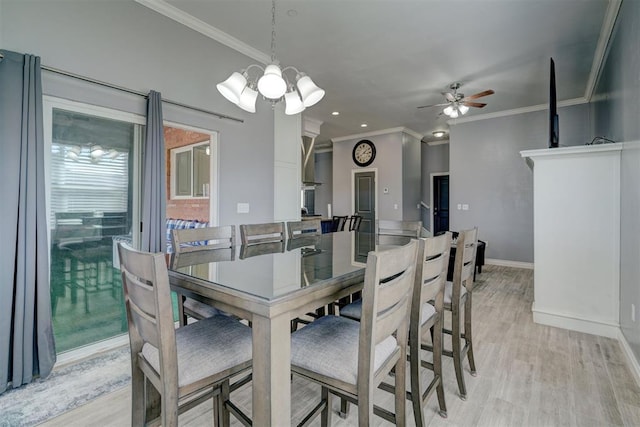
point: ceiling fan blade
(433, 105)
(449, 96)
(479, 94)
(473, 104)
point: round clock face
(364, 152)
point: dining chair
(305, 228)
(354, 222)
(248, 251)
(457, 301)
(262, 233)
(175, 370)
(398, 228)
(191, 240)
(349, 358)
(338, 222)
(426, 319)
(427, 311)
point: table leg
(271, 371)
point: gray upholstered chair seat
(203, 310)
(329, 347)
(206, 347)
(353, 310)
(448, 292)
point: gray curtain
(27, 349)
(154, 201)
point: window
(190, 171)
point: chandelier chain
(273, 31)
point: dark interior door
(440, 203)
(365, 203)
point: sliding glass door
(93, 192)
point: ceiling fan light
(293, 103)
(448, 110)
(463, 109)
(310, 93)
(271, 85)
(248, 100)
(232, 87)
(454, 113)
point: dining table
(269, 285)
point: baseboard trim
(507, 263)
(631, 358)
(573, 323)
(73, 356)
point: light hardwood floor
(528, 374)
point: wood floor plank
(528, 375)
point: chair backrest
(464, 264)
(431, 275)
(296, 229)
(197, 239)
(248, 251)
(149, 309)
(261, 233)
(354, 222)
(338, 222)
(386, 300)
(204, 256)
(399, 228)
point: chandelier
(242, 89)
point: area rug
(66, 388)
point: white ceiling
(380, 59)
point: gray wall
(435, 159)
(324, 174)
(488, 174)
(616, 115)
(411, 170)
(128, 45)
(388, 162)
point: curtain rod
(134, 92)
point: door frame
(431, 191)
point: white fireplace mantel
(577, 237)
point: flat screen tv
(554, 131)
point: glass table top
(272, 270)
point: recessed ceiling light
(364, 125)
(335, 113)
(438, 133)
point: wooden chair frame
(386, 296)
(156, 395)
(198, 241)
(305, 228)
(262, 233)
(464, 267)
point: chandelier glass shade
(273, 84)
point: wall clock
(364, 153)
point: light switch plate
(243, 208)
(465, 207)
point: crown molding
(602, 48)
(311, 127)
(171, 12)
(378, 133)
(513, 112)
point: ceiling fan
(457, 104)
